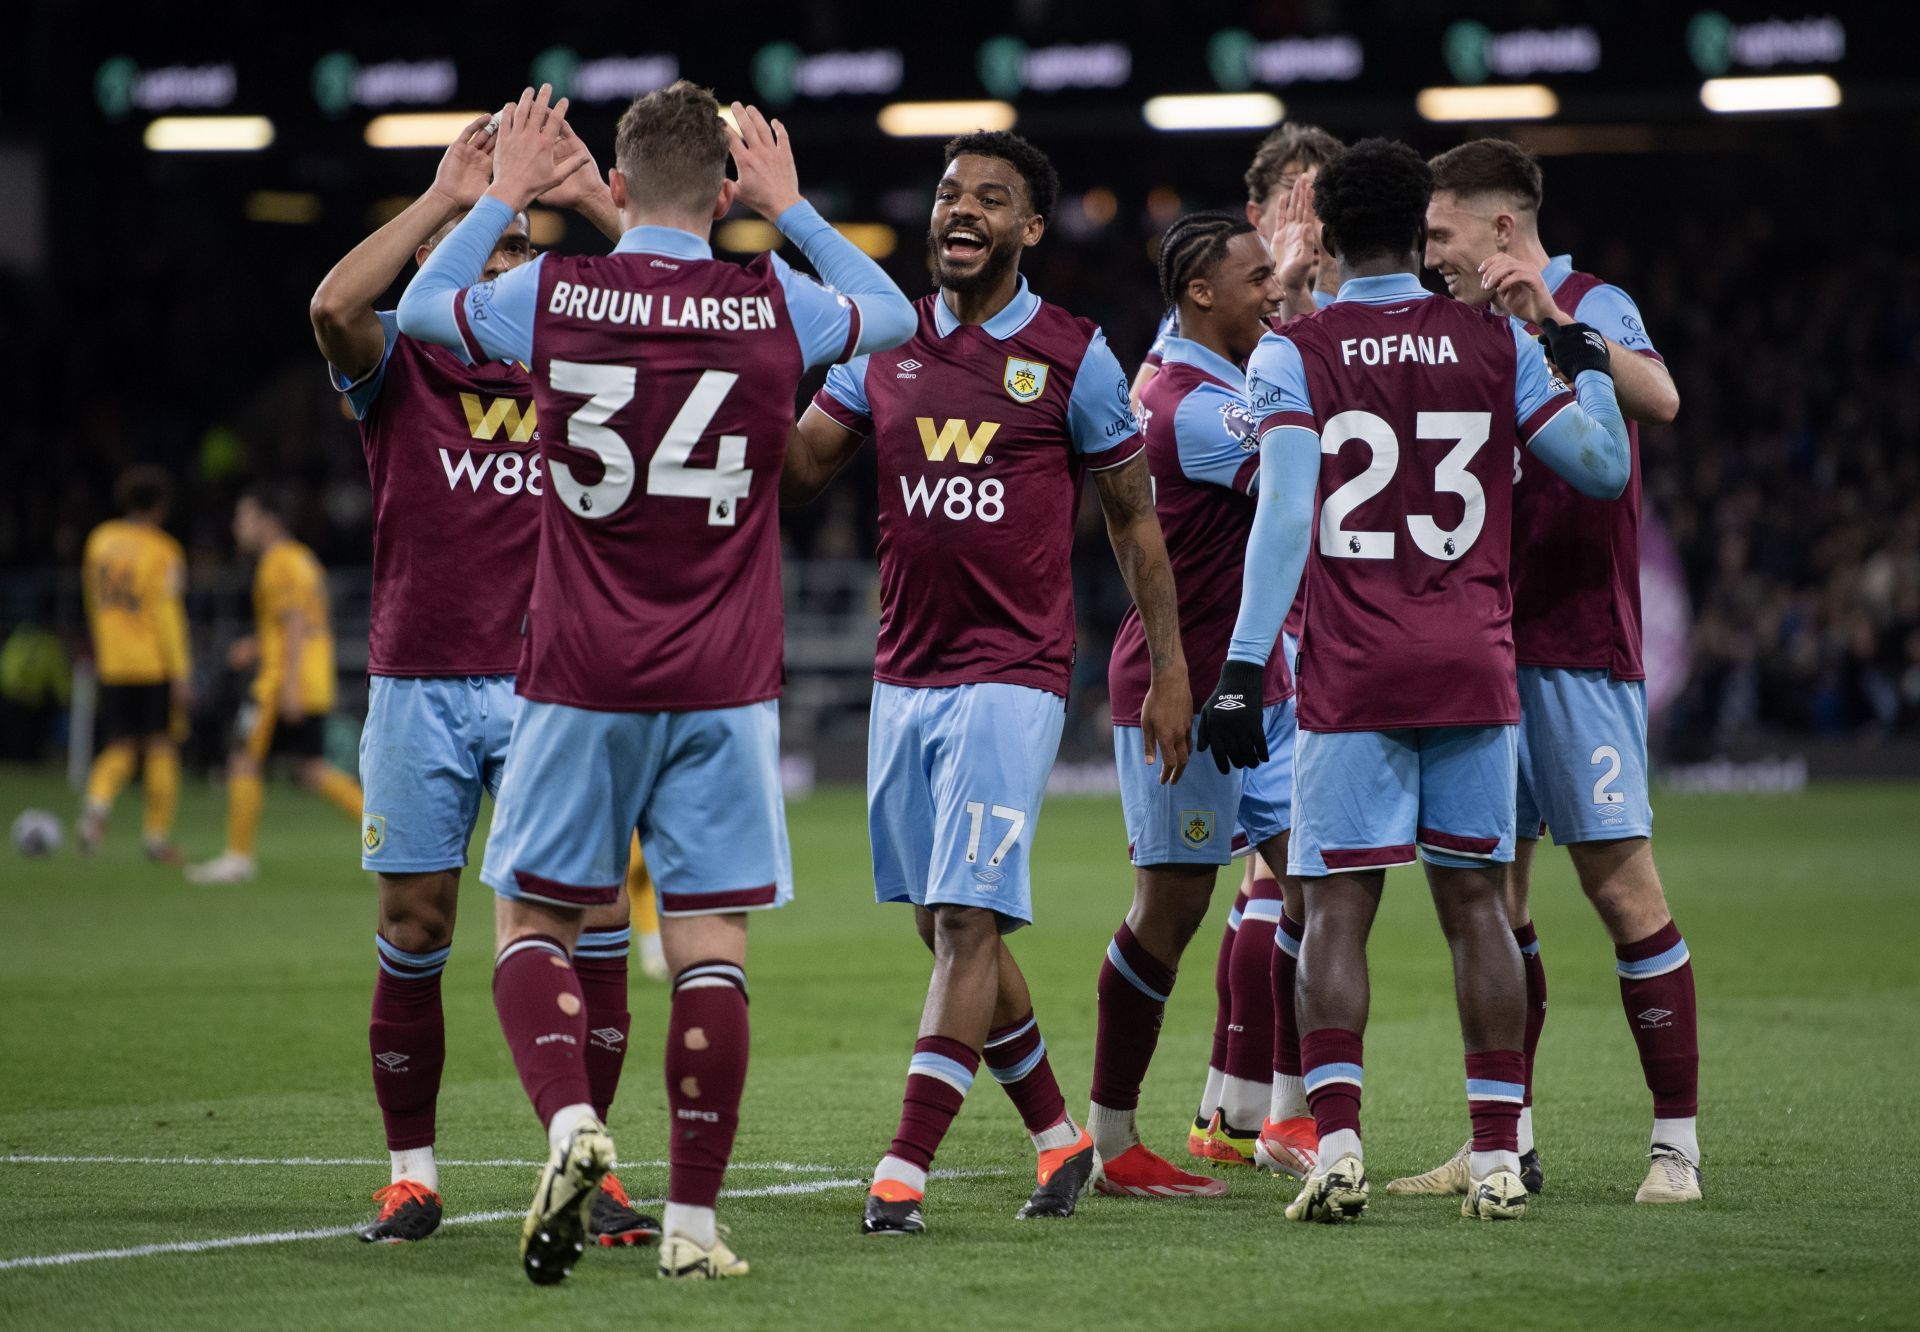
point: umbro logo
(608, 1038)
(393, 1061)
(907, 369)
(1229, 703)
(1654, 1017)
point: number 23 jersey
(665, 385)
(982, 433)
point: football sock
(162, 781)
(600, 961)
(417, 1164)
(1016, 1055)
(1331, 1057)
(1656, 990)
(1526, 1129)
(1495, 1090)
(1210, 1096)
(111, 771)
(407, 1036)
(896, 1180)
(342, 792)
(1248, 1086)
(939, 1076)
(706, 1066)
(1289, 1099)
(544, 1018)
(1536, 972)
(696, 1223)
(245, 796)
(565, 1120)
(1679, 1133)
(1222, 1010)
(1131, 998)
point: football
(36, 833)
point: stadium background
(157, 299)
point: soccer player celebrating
(984, 423)
(1388, 425)
(453, 457)
(293, 690)
(1217, 274)
(664, 381)
(1576, 634)
(133, 577)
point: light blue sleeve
(823, 314)
(1587, 442)
(362, 391)
(1322, 299)
(1214, 434)
(1613, 312)
(1100, 409)
(1534, 385)
(1277, 380)
(1278, 545)
(497, 314)
(1169, 327)
(847, 385)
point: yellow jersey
(291, 585)
(135, 577)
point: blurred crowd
(1790, 484)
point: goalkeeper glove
(1232, 724)
(1576, 347)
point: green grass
(141, 1017)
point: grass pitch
(179, 1049)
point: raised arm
(1641, 381)
(344, 323)
(770, 185)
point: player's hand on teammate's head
(525, 163)
(585, 182)
(763, 162)
(466, 168)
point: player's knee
(1631, 905)
(961, 931)
(417, 910)
(923, 924)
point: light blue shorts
(1207, 817)
(702, 788)
(1583, 756)
(429, 748)
(955, 777)
(1363, 800)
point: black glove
(1576, 347)
(1232, 724)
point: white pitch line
(466, 1219)
(25, 1158)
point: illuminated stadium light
(417, 129)
(1214, 111)
(209, 134)
(876, 240)
(545, 227)
(747, 235)
(911, 120)
(1495, 101)
(1780, 92)
(294, 206)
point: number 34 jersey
(1419, 403)
(982, 433)
(665, 385)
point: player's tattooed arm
(1166, 718)
(817, 449)
(342, 308)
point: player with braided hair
(1217, 272)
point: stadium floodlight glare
(1213, 111)
(209, 134)
(1493, 101)
(417, 129)
(912, 120)
(1779, 92)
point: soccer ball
(36, 833)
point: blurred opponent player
(984, 424)
(452, 452)
(134, 578)
(1576, 634)
(650, 677)
(1217, 274)
(293, 689)
(1388, 424)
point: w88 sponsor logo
(507, 473)
(957, 497)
